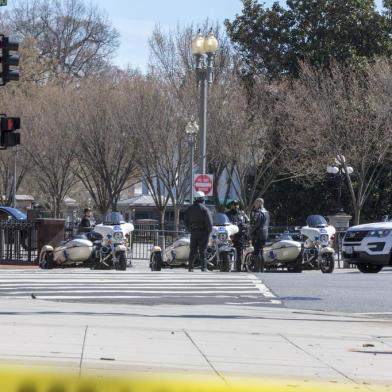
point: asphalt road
(346, 291)
(342, 291)
(136, 286)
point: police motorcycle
(102, 248)
(79, 251)
(318, 252)
(112, 251)
(284, 252)
(221, 255)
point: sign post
(203, 183)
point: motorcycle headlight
(324, 238)
(118, 236)
(379, 233)
(223, 236)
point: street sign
(203, 183)
(3, 2)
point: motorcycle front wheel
(48, 261)
(327, 263)
(156, 261)
(122, 262)
(225, 262)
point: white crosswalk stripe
(136, 287)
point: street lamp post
(339, 171)
(204, 49)
(191, 131)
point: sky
(135, 21)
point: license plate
(349, 250)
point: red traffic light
(9, 124)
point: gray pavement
(224, 343)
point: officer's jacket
(198, 218)
(238, 218)
(259, 223)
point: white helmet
(200, 195)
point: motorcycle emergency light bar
(8, 59)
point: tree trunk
(177, 219)
(357, 214)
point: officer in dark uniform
(198, 222)
(259, 223)
(239, 218)
(85, 223)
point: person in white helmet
(198, 222)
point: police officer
(198, 222)
(259, 222)
(239, 218)
(85, 223)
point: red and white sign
(203, 183)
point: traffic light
(8, 126)
(8, 60)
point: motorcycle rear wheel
(249, 263)
(327, 263)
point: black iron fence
(18, 240)
(145, 237)
(18, 243)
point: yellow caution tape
(43, 381)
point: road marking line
(37, 292)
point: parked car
(10, 213)
(368, 246)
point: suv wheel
(369, 268)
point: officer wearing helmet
(198, 222)
(239, 218)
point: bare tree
(103, 121)
(347, 113)
(49, 143)
(173, 63)
(72, 39)
(163, 156)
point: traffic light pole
(14, 182)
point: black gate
(146, 236)
(18, 243)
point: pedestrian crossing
(166, 287)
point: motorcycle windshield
(220, 219)
(316, 221)
(114, 218)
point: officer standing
(259, 222)
(85, 223)
(198, 222)
(239, 218)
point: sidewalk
(223, 343)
